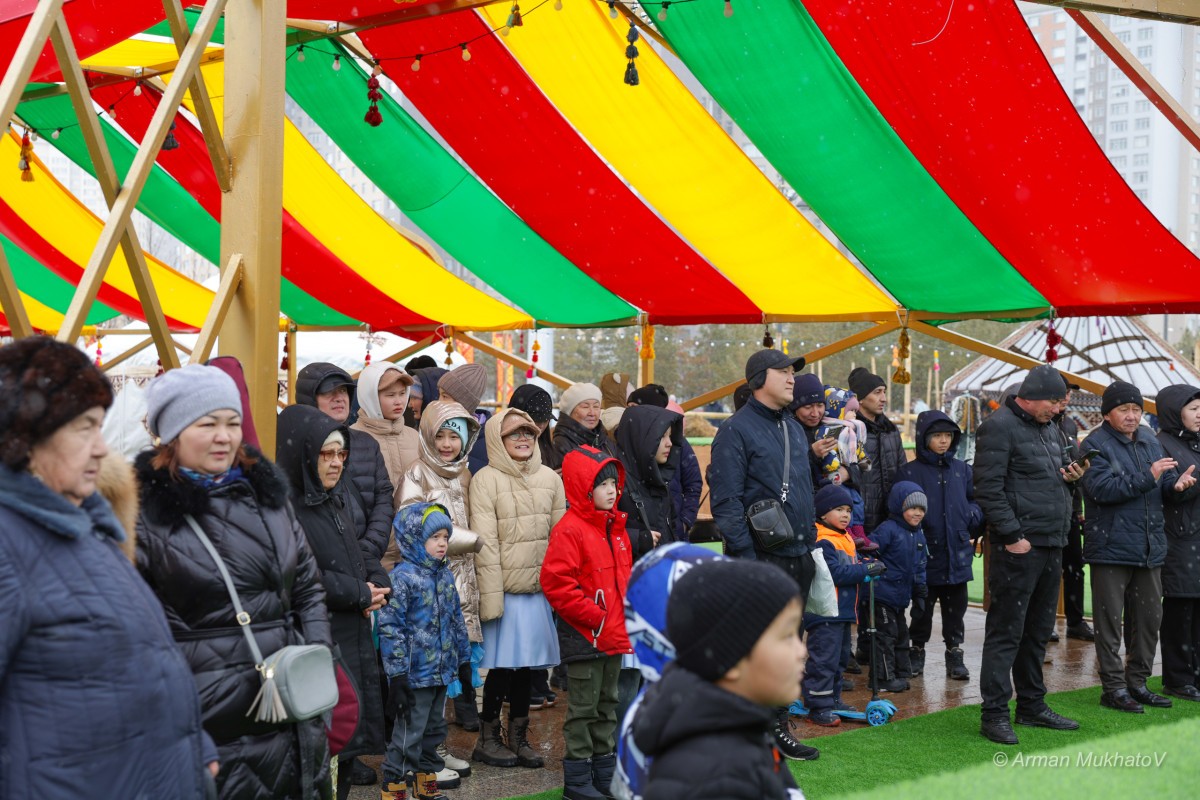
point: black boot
(577, 780)
(916, 660)
(603, 768)
(787, 743)
(955, 668)
(466, 715)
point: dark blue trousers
(828, 653)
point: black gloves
(875, 569)
(921, 591)
(400, 698)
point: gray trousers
(414, 743)
(1137, 590)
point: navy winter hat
(807, 390)
(718, 610)
(1119, 393)
(830, 496)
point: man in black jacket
(748, 466)
(1022, 482)
(883, 445)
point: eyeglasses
(517, 436)
(330, 455)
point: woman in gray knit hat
(200, 469)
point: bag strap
(242, 617)
(787, 460)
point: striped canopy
(951, 165)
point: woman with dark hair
(312, 450)
(81, 635)
(200, 469)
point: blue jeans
(414, 743)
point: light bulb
(558, 5)
(137, 89)
(466, 53)
(662, 13)
(504, 31)
(728, 8)
(416, 65)
(337, 63)
(300, 53)
(612, 9)
(57, 131)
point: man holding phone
(1023, 478)
(1125, 544)
(1073, 577)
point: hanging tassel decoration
(373, 117)
(160, 369)
(23, 161)
(268, 703)
(532, 371)
(99, 354)
(631, 53)
(901, 353)
(283, 364)
(514, 19)
(937, 367)
(768, 339)
(171, 143)
(449, 350)
(646, 349)
(1053, 340)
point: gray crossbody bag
(298, 681)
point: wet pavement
(1073, 667)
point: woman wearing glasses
(201, 468)
(515, 501)
(312, 449)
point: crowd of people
(438, 552)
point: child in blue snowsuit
(829, 637)
(951, 521)
(902, 548)
(423, 640)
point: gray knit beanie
(179, 397)
(914, 500)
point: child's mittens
(400, 697)
(874, 570)
(920, 591)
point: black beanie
(606, 472)
(650, 395)
(862, 382)
(1042, 383)
(719, 609)
(1119, 393)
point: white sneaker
(447, 779)
(463, 768)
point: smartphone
(1085, 458)
(833, 432)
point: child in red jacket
(584, 576)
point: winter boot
(461, 766)
(361, 774)
(466, 715)
(394, 790)
(852, 666)
(916, 661)
(603, 768)
(955, 668)
(789, 745)
(577, 780)
(518, 743)
(427, 787)
(490, 748)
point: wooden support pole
(10, 302)
(408, 351)
(231, 279)
(1115, 49)
(121, 209)
(290, 339)
(252, 211)
(110, 187)
(201, 104)
(1010, 357)
(515, 360)
(875, 331)
(137, 348)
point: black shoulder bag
(768, 524)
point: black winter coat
(647, 482)
(1124, 519)
(707, 742)
(1017, 480)
(747, 466)
(886, 451)
(251, 524)
(952, 517)
(569, 434)
(687, 489)
(1181, 570)
(372, 490)
(323, 514)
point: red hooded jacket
(587, 564)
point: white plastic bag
(822, 594)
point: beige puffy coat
(431, 480)
(514, 504)
(399, 443)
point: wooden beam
(252, 211)
(1010, 357)
(408, 351)
(28, 50)
(110, 186)
(116, 225)
(866, 335)
(1184, 12)
(11, 303)
(1115, 49)
(201, 104)
(479, 344)
(231, 279)
(289, 337)
(137, 348)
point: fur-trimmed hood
(165, 499)
(117, 484)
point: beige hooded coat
(431, 480)
(514, 504)
(399, 443)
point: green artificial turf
(975, 587)
(944, 755)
